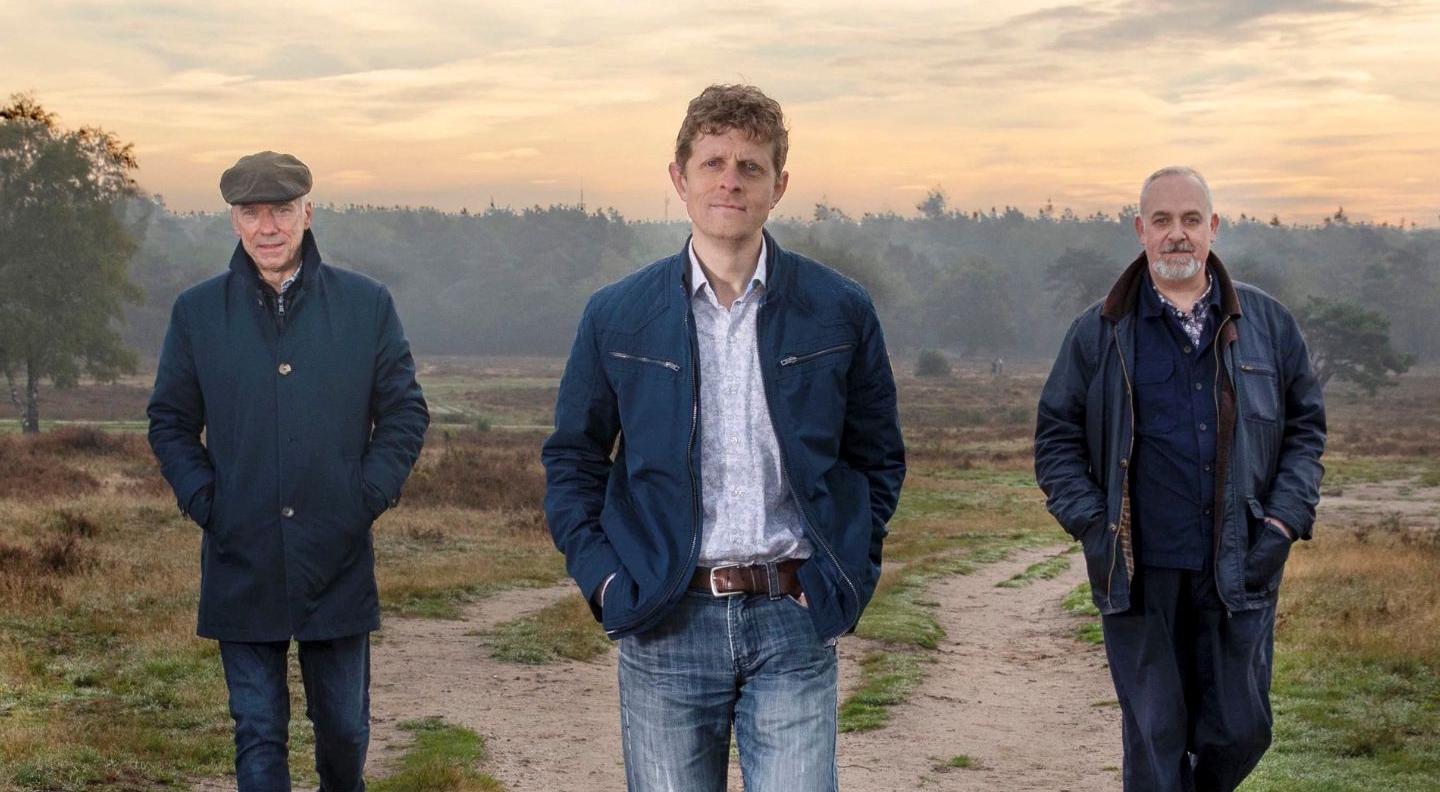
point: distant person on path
(1179, 439)
(301, 379)
(734, 533)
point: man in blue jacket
(301, 379)
(1179, 439)
(734, 532)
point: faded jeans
(337, 700)
(750, 660)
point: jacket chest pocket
(1156, 402)
(815, 356)
(642, 378)
(618, 359)
(1259, 391)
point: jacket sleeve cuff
(593, 572)
(191, 484)
(1300, 525)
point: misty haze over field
(973, 283)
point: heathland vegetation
(103, 686)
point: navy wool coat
(311, 426)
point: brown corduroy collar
(1121, 300)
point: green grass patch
(889, 679)
(1351, 726)
(562, 631)
(1079, 602)
(895, 617)
(441, 759)
(1040, 570)
(1342, 471)
(960, 762)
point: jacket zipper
(1215, 392)
(792, 360)
(1129, 452)
(642, 359)
(689, 461)
(790, 479)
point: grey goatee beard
(1179, 272)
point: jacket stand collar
(1126, 291)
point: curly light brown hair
(721, 108)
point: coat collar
(1125, 293)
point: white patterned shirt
(749, 515)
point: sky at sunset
(1290, 108)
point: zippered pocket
(673, 366)
(1259, 392)
(795, 360)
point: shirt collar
(698, 280)
(290, 281)
(1153, 303)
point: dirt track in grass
(1010, 687)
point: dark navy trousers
(1193, 683)
(336, 675)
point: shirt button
(285, 369)
(287, 512)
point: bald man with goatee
(1178, 439)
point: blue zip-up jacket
(1270, 437)
(633, 509)
(312, 423)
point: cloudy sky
(1290, 107)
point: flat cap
(266, 177)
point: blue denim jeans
(336, 675)
(752, 661)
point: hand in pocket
(1266, 558)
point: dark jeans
(337, 700)
(1193, 683)
(750, 661)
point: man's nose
(730, 177)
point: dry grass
(103, 684)
(1369, 601)
(479, 470)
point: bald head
(1176, 171)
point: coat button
(285, 369)
(1124, 463)
(287, 512)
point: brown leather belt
(727, 581)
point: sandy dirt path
(1010, 687)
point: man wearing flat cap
(300, 378)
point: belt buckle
(714, 592)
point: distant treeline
(973, 284)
